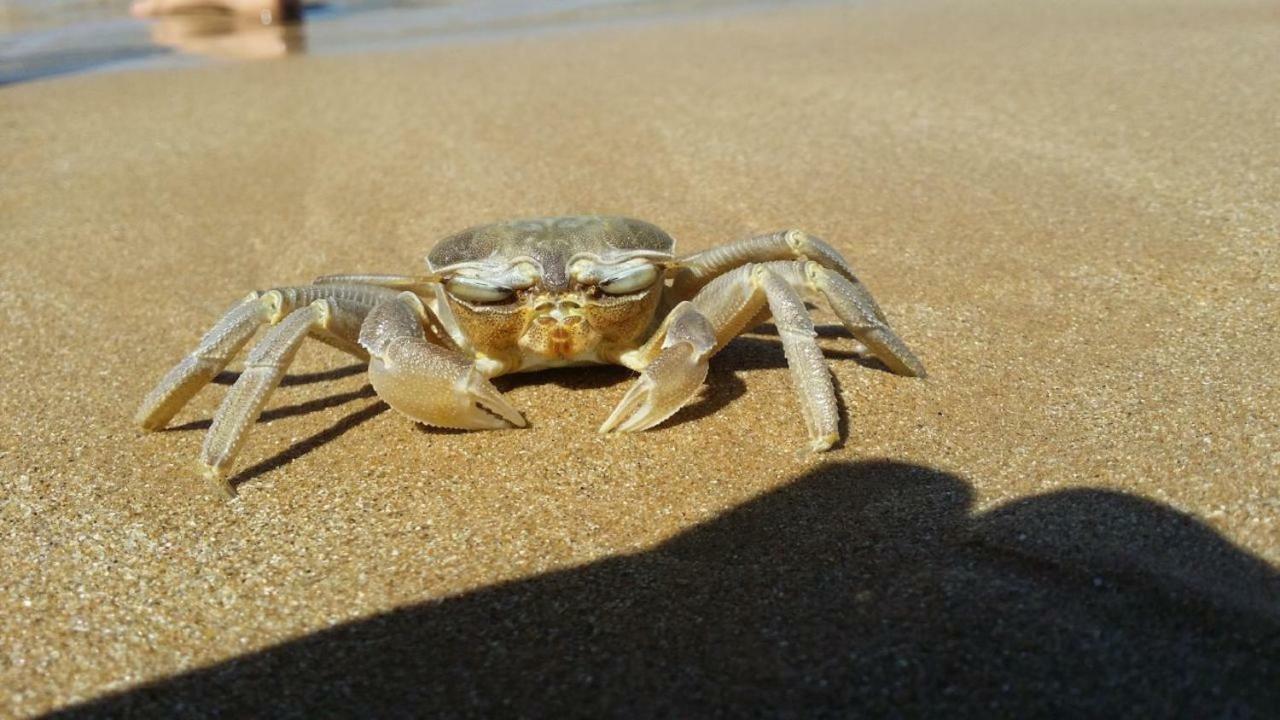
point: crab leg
(213, 353)
(736, 299)
(809, 372)
(724, 308)
(671, 377)
(696, 271)
(853, 304)
(394, 282)
(263, 370)
(432, 384)
(225, 339)
(826, 273)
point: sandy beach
(1069, 210)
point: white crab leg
(826, 273)
(726, 305)
(429, 383)
(213, 353)
(263, 370)
(809, 371)
(393, 282)
(672, 377)
(225, 339)
(701, 268)
(853, 304)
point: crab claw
(436, 387)
(671, 379)
(429, 383)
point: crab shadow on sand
(869, 588)
(759, 350)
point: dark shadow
(721, 388)
(868, 589)
(842, 422)
(589, 377)
(426, 429)
(829, 331)
(228, 377)
(824, 331)
(302, 447)
(304, 408)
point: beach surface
(1069, 210)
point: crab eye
(477, 290)
(633, 279)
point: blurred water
(46, 38)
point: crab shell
(557, 313)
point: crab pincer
(429, 383)
(672, 378)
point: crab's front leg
(683, 345)
(430, 383)
(724, 308)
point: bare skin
(267, 11)
(229, 29)
(531, 294)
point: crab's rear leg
(213, 353)
(327, 318)
(855, 308)
(382, 280)
(826, 272)
(698, 270)
(229, 335)
(432, 384)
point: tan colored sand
(1069, 210)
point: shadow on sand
(723, 387)
(859, 589)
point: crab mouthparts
(558, 335)
(561, 344)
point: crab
(526, 295)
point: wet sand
(1069, 210)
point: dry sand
(1068, 209)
